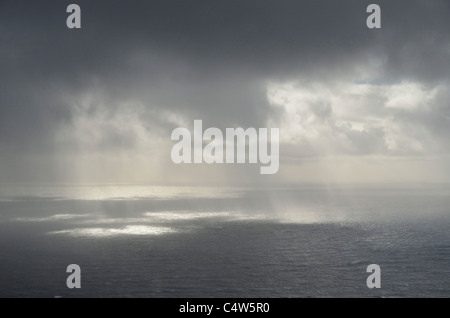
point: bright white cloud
(356, 118)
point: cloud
(361, 119)
(101, 101)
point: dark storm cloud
(259, 36)
(205, 59)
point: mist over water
(309, 241)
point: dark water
(148, 242)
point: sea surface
(303, 241)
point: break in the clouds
(98, 104)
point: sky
(98, 104)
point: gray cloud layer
(159, 64)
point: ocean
(302, 241)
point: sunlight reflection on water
(143, 230)
(111, 192)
